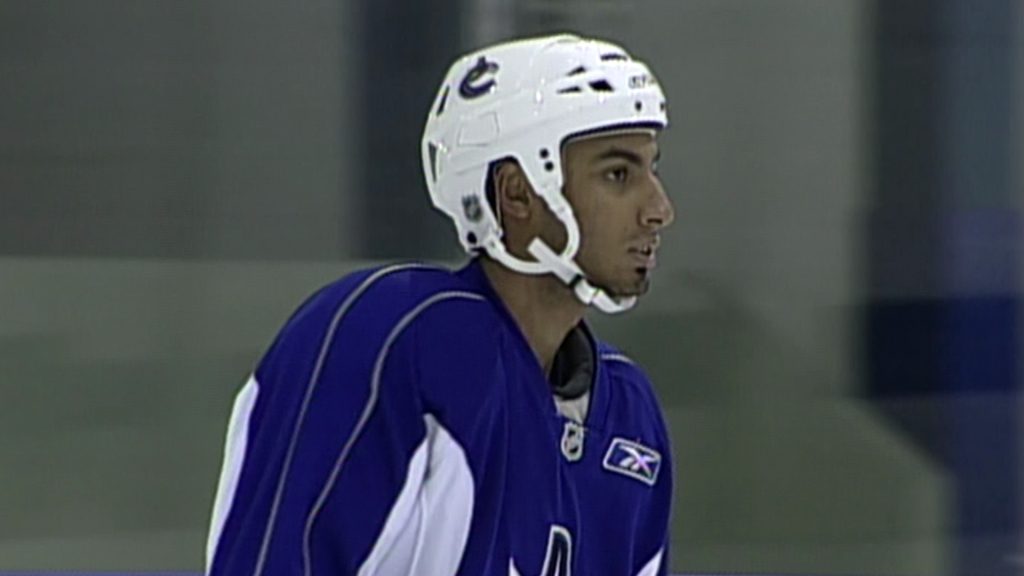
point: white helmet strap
(566, 270)
(563, 265)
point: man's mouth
(645, 256)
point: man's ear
(512, 191)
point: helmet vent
(444, 101)
(613, 56)
(432, 151)
(577, 71)
(601, 86)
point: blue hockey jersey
(401, 425)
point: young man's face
(613, 186)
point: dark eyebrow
(627, 155)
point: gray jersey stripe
(617, 358)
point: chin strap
(570, 273)
(562, 266)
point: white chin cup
(569, 272)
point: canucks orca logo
(479, 80)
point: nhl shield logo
(471, 208)
(634, 460)
(572, 441)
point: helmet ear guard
(523, 101)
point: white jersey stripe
(651, 568)
(427, 528)
(234, 455)
(396, 531)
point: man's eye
(617, 175)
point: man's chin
(634, 287)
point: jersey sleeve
(350, 452)
(442, 361)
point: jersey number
(558, 559)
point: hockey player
(412, 420)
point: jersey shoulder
(369, 304)
(383, 295)
(429, 327)
(629, 379)
(622, 366)
(441, 305)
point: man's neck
(543, 307)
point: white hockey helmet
(524, 100)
